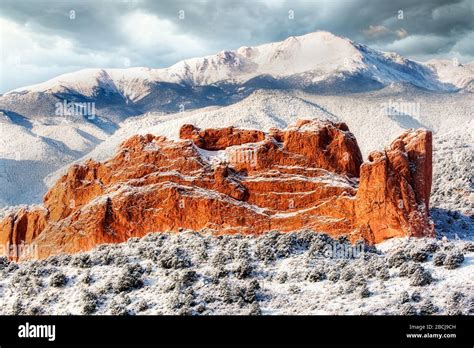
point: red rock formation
(221, 138)
(305, 176)
(394, 189)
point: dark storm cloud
(104, 32)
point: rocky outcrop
(394, 189)
(309, 175)
(220, 138)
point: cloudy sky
(41, 39)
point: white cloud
(157, 36)
(29, 57)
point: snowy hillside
(277, 273)
(30, 150)
(455, 73)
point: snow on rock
(303, 176)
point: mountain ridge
(319, 53)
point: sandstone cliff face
(394, 189)
(235, 181)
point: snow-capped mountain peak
(298, 61)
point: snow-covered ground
(277, 273)
(32, 149)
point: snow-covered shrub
(117, 308)
(217, 273)
(333, 275)
(282, 277)
(348, 273)
(265, 252)
(89, 302)
(225, 293)
(148, 251)
(383, 273)
(81, 260)
(174, 258)
(319, 243)
(243, 270)
(182, 299)
(397, 259)
(102, 257)
(87, 278)
(247, 293)
(58, 280)
(186, 278)
(416, 296)
(303, 239)
(421, 277)
(141, 306)
(430, 247)
(428, 308)
(348, 287)
(359, 279)
(408, 268)
(157, 239)
(454, 259)
(130, 278)
(17, 307)
(265, 247)
(41, 271)
(364, 291)
(4, 262)
(58, 260)
(133, 240)
(118, 259)
(34, 310)
(316, 275)
(456, 298)
(284, 245)
(12, 267)
(371, 265)
(468, 247)
(438, 258)
(407, 309)
(419, 255)
(220, 258)
(254, 284)
(404, 297)
(255, 309)
(242, 251)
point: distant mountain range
(319, 62)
